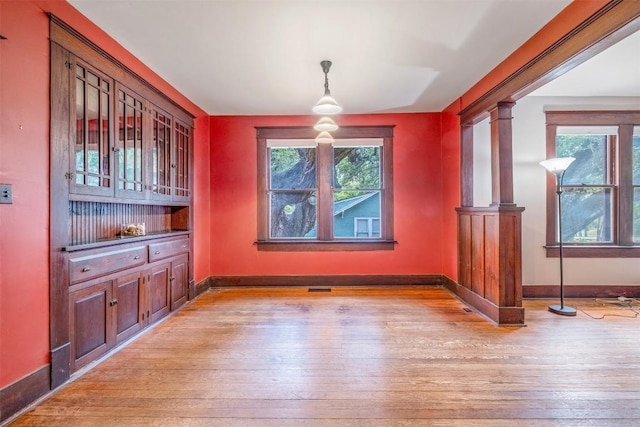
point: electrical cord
(621, 302)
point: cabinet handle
(156, 253)
(171, 279)
(113, 302)
(85, 269)
(136, 257)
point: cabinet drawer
(94, 265)
(166, 249)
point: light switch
(6, 194)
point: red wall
(417, 201)
(24, 163)
(201, 202)
(450, 191)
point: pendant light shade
(325, 124)
(327, 104)
(324, 138)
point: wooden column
(501, 155)
(489, 238)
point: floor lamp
(558, 166)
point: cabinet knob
(85, 269)
(156, 253)
(136, 257)
(113, 302)
(171, 279)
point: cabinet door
(179, 281)
(90, 151)
(129, 144)
(128, 298)
(159, 293)
(181, 164)
(90, 323)
(161, 154)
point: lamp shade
(325, 124)
(557, 165)
(327, 105)
(324, 137)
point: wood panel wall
(95, 221)
(490, 262)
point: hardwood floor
(361, 357)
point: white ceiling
(262, 57)
(614, 72)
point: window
(335, 196)
(601, 188)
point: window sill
(593, 251)
(325, 246)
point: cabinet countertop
(122, 240)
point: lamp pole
(558, 167)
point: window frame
(325, 240)
(621, 166)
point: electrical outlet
(6, 194)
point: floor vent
(319, 289)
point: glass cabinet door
(161, 154)
(129, 140)
(182, 162)
(91, 139)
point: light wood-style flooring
(361, 357)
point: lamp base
(564, 311)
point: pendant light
(324, 137)
(326, 104)
(325, 124)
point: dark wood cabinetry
(168, 286)
(179, 281)
(90, 324)
(129, 304)
(121, 154)
(118, 290)
(159, 293)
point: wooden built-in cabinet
(116, 291)
(121, 153)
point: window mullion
(625, 187)
(324, 169)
